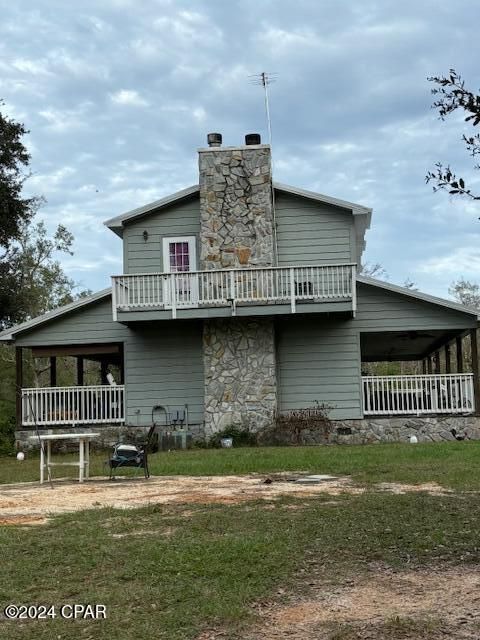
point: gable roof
(117, 223)
(418, 295)
(9, 334)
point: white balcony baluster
(229, 287)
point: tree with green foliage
(33, 279)
(452, 95)
(15, 209)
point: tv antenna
(264, 79)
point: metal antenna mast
(264, 79)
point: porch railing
(49, 406)
(418, 394)
(228, 287)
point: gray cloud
(118, 95)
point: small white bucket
(227, 443)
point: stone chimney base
(240, 374)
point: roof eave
(117, 223)
(8, 335)
(424, 297)
(354, 207)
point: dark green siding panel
(178, 220)
(89, 324)
(382, 310)
(312, 233)
(164, 365)
(319, 360)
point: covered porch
(420, 372)
(89, 392)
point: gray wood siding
(163, 362)
(307, 232)
(382, 310)
(312, 233)
(164, 365)
(319, 360)
(145, 257)
(89, 324)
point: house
(241, 298)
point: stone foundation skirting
(366, 431)
(400, 429)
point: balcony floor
(241, 310)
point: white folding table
(83, 463)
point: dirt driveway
(30, 503)
(381, 605)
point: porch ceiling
(403, 345)
(110, 353)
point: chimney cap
(214, 139)
(253, 138)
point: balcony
(51, 406)
(227, 292)
(418, 394)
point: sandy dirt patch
(31, 503)
(400, 604)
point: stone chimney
(236, 205)
(236, 230)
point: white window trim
(192, 251)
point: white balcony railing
(49, 406)
(229, 287)
(412, 394)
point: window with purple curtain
(179, 257)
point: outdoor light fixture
(145, 235)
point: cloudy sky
(118, 95)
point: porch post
(80, 371)
(436, 361)
(53, 371)
(448, 361)
(476, 380)
(122, 364)
(18, 384)
(103, 371)
(424, 366)
(459, 349)
(429, 364)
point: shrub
(292, 427)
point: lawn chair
(131, 455)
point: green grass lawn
(172, 571)
(451, 464)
